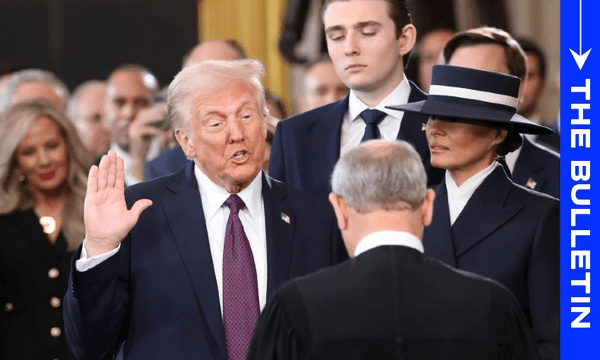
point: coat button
(8, 307)
(54, 302)
(53, 273)
(55, 332)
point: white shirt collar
(398, 96)
(215, 196)
(459, 196)
(383, 238)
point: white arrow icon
(580, 58)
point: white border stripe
(471, 94)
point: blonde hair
(14, 195)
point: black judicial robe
(392, 302)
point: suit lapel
(437, 238)
(280, 221)
(186, 219)
(528, 167)
(485, 212)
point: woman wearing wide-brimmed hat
(482, 221)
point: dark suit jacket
(509, 234)
(26, 289)
(159, 293)
(166, 163)
(307, 146)
(392, 302)
(538, 168)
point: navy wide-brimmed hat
(485, 96)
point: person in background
(473, 123)
(430, 48)
(174, 159)
(374, 306)
(33, 84)
(129, 117)
(277, 112)
(86, 110)
(7, 69)
(43, 176)
(320, 85)
(369, 43)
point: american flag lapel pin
(285, 217)
(530, 183)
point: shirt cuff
(84, 263)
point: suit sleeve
(96, 306)
(544, 286)
(517, 338)
(276, 160)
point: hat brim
(473, 112)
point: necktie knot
(372, 116)
(235, 203)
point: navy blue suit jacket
(307, 146)
(510, 234)
(159, 292)
(538, 168)
(166, 163)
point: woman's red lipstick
(47, 176)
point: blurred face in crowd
(364, 48)
(128, 91)
(463, 147)
(322, 86)
(89, 120)
(43, 157)
(37, 90)
(212, 50)
(532, 87)
(430, 47)
(226, 137)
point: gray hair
(73, 103)
(196, 82)
(31, 75)
(380, 175)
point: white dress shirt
(459, 196)
(353, 126)
(216, 215)
(129, 180)
(384, 238)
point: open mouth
(437, 147)
(239, 154)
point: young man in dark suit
(390, 301)
(483, 222)
(369, 43)
(187, 278)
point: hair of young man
(373, 178)
(514, 55)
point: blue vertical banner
(580, 168)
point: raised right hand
(107, 220)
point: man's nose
(350, 45)
(236, 131)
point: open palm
(107, 220)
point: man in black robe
(389, 301)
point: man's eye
(369, 33)
(119, 102)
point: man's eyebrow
(364, 24)
(334, 28)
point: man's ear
(408, 38)
(340, 209)
(186, 143)
(427, 207)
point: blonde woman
(43, 175)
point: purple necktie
(240, 288)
